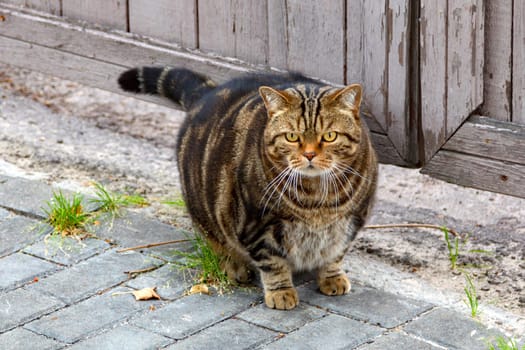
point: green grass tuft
(205, 262)
(66, 216)
(472, 296)
(113, 202)
(453, 248)
(503, 343)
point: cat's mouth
(311, 170)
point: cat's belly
(308, 248)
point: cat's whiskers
(297, 179)
(350, 170)
(272, 187)
(332, 178)
(343, 181)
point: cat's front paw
(282, 299)
(336, 285)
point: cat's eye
(329, 136)
(291, 137)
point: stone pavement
(65, 293)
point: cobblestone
(18, 269)
(61, 292)
(94, 275)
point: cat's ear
(275, 100)
(349, 96)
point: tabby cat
(277, 171)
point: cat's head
(312, 130)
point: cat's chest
(308, 248)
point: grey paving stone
(78, 321)
(124, 337)
(24, 195)
(4, 213)
(22, 339)
(367, 304)
(18, 231)
(398, 341)
(170, 281)
(20, 306)
(134, 229)
(18, 269)
(451, 330)
(282, 321)
(332, 331)
(31, 196)
(190, 314)
(66, 250)
(94, 275)
(231, 334)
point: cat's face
(312, 132)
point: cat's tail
(180, 85)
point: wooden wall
(425, 65)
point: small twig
(436, 227)
(153, 245)
(147, 269)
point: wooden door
(488, 151)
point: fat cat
(277, 170)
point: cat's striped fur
(277, 171)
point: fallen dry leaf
(146, 294)
(199, 288)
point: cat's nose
(309, 155)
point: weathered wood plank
(49, 6)
(490, 138)
(433, 70)
(316, 38)
(374, 48)
(109, 13)
(234, 28)
(478, 172)
(398, 115)
(355, 70)
(386, 153)
(277, 34)
(58, 63)
(109, 47)
(518, 63)
(465, 60)
(497, 78)
(173, 21)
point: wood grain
(108, 13)
(234, 28)
(316, 39)
(433, 70)
(49, 6)
(397, 115)
(518, 63)
(497, 93)
(490, 138)
(171, 20)
(465, 42)
(478, 172)
(374, 45)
